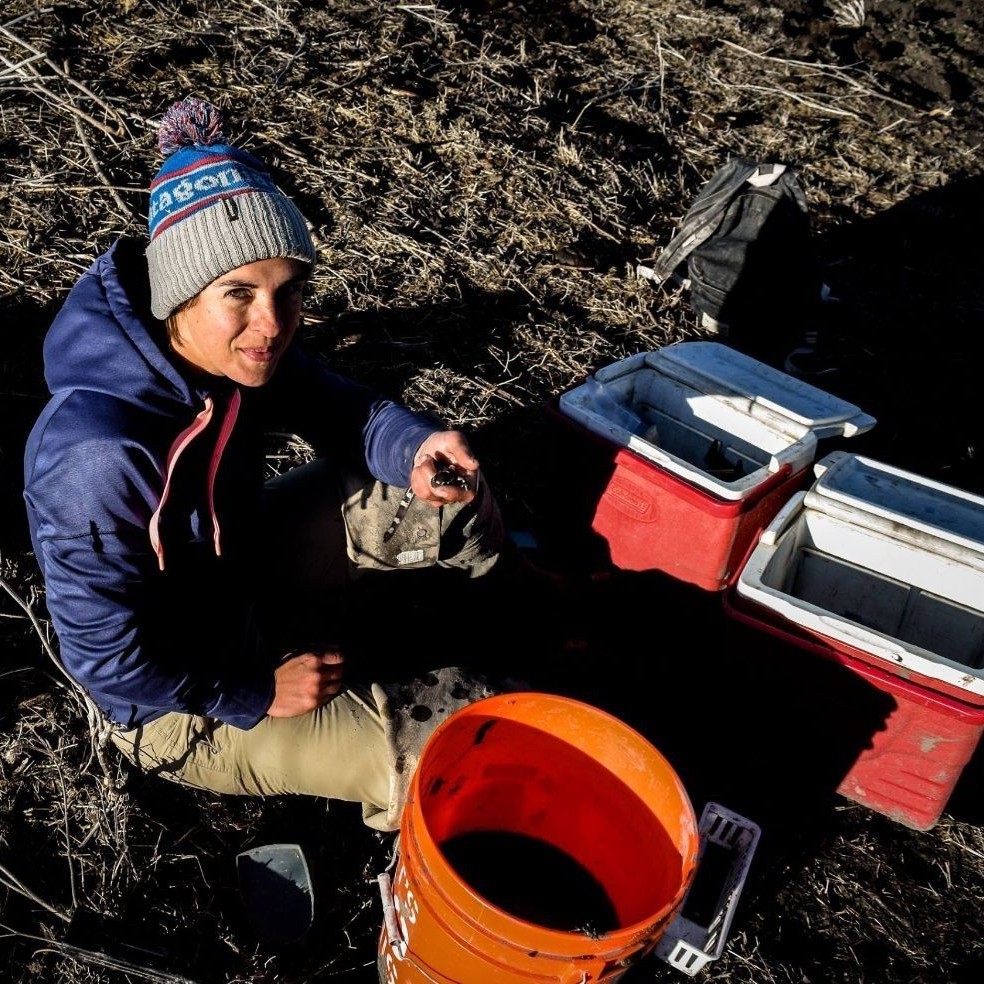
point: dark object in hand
(449, 475)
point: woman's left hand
(447, 455)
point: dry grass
(482, 178)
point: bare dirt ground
(483, 178)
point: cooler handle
(685, 944)
(782, 520)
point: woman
(188, 596)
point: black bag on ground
(744, 252)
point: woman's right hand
(305, 681)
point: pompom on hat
(213, 208)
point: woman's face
(242, 322)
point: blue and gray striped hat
(213, 208)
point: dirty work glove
(411, 711)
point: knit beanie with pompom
(213, 208)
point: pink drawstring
(228, 423)
(181, 442)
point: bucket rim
(417, 840)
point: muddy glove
(411, 711)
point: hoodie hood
(103, 338)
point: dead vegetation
(482, 178)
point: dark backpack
(745, 254)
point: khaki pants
(321, 530)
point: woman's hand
(447, 455)
(305, 681)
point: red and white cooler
(706, 445)
(882, 570)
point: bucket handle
(685, 944)
(390, 923)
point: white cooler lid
(909, 506)
(717, 369)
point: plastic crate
(688, 944)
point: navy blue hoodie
(141, 485)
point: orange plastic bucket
(543, 840)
